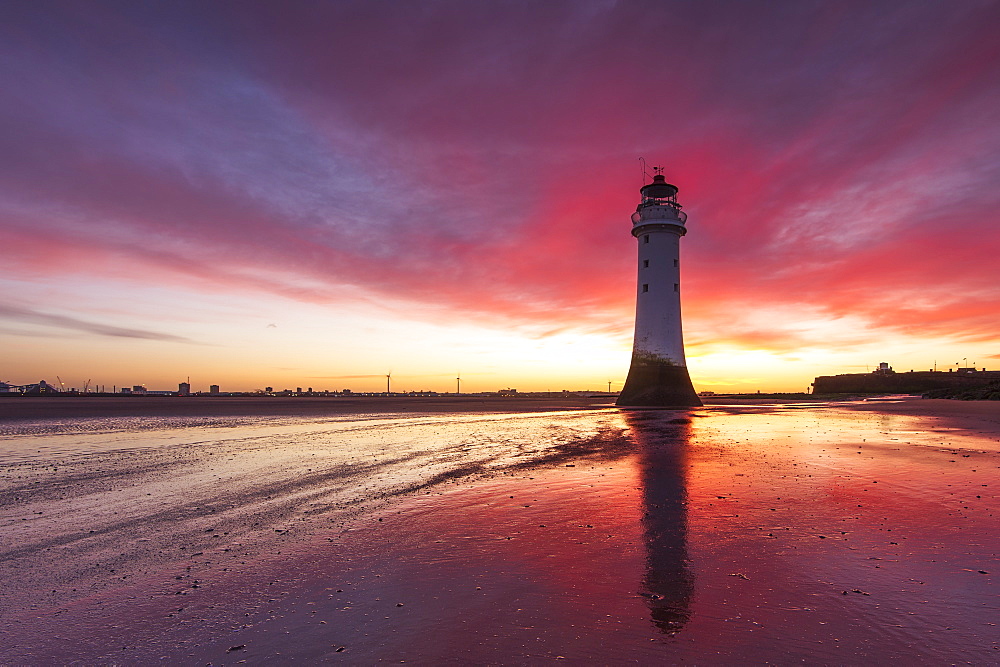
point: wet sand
(64, 407)
(825, 533)
(984, 415)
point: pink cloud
(483, 159)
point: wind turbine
(458, 380)
(388, 377)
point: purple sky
(478, 161)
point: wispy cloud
(66, 322)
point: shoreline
(59, 407)
(41, 407)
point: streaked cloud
(65, 322)
(449, 161)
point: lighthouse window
(677, 287)
(645, 238)
(645, 288)
(645, 263)
(675, 263)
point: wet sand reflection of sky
(733, 534)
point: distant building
(39, 389)
(184, 388)
(507, 392)
(884, 380)
(139, 389)
(213, 389)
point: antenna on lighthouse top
(646, 169)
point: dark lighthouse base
(655, 383)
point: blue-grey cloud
(29, 315)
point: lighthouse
(658, 376)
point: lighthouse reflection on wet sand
(658, 376)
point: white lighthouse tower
(658, 376)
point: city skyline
(324, 194)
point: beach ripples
(719, 535)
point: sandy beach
(500, 531)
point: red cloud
(484, 159)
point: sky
(317, 194)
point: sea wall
(914, 382)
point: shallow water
(725, 534)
